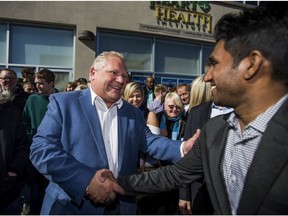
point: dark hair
(264, 28)
(28, 70)
(72, 84)
(82, 81)
(45, 74)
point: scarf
(174, 128)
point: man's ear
(91, 73)
(253, 64)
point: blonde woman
(134, 94)
(200, 92)
(171, 120)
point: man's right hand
(190, 142)
(185, 207)
(103, 187)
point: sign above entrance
(189, 18)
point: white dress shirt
(109, 126)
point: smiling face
(149, 83)
(171, 108)
(184, 94)
(136, 98)
(43, 87)
(8, 79)
(109, 81)
(226, 80)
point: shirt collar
(263, 118)
(94, 97)
(214, 106)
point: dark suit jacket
(14, 153)
(265, 189)
(197, 117)
(145, 91)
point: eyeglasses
(173, 106)
(7, 78)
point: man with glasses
(9, 81)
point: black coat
(13, 152)
(196, 119)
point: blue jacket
(68, 149)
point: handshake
(103, 187)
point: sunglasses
(173, 106)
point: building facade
(170, 40)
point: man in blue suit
(85, 131)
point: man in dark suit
(196, 193)
(243, 156)
(13, 155)
(148, 91)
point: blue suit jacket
(68, 149)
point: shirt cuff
(181, 149)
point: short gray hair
(100, 60)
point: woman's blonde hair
(175, 98)
(158, 88)
(200, 92)
(130, 88)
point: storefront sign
(169, 81)
(189, 18)
(185, 81)
(139, 79)
(186, 33)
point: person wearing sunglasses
(172, 125)
(171, 119)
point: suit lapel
(208, 110)
(93, 122)
(218, 142)
(268, 161)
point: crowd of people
(163, 111)
(30, 95)
(113, 146)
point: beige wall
(90, 15)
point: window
(38, 47)
(137, 50)
(176, 57)
(41, 46)
(206, 52)
(167, 60)
(3, 42)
